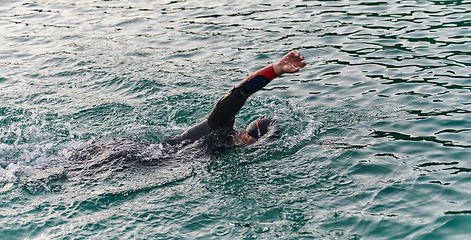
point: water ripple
(376, 126)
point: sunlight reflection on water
(375, 141)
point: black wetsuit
(221, 118)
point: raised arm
(226, 108)
(290, 63)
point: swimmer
(221, 118)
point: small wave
(305, 128)
(30, 178)
(114, 163)
(311, 130)
(8, 177)
(109, 156)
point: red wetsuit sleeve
(268, 72)
(257, 80)
(226, 108)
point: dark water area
(375, 128)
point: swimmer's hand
(290, 63)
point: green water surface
(376, 139)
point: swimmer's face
(242, 138)
(247, 139)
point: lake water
(376, 130)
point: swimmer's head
(268, 128)
(263, 126)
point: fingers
(296, 54)
(298, 61)
(291, 63)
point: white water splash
(311, 129)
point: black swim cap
(258, 128)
